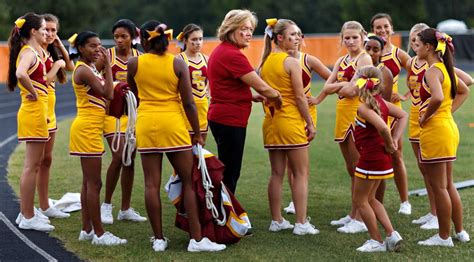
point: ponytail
(267, 50)
(369, 82)
(448, 61)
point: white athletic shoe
(54, 213)
(108, 239)
(305, 229)
(431, 224)
(35, 223)
(341, 221)
(422, 220)
(393, 242)
(276, 226)
(436, 240)
(353, 227)
(462, 236)
(159, 245)
(204, 245)
(84, 236)
(290, 209)
(20, 217)
(106, 214)
(130, 214)
(373, 246)
(405, 208)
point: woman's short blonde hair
(233, 20)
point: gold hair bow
(271, 21)
(154, 33)
(20, 22)
(180, 36)
(369, 83)
(72, 39)
(443, 39)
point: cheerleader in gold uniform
(27, 69)
(288, 130)
(308, 64)
(125, 34)
(164, 89)
(190, 40)
(441, 94)
(55, 63)
(340, 82)
(92, 90)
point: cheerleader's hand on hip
(32, 96)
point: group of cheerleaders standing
(173, 112)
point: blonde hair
(233, 20)
(365, 95)
(416, 28)
(355, 26)
(278, 29)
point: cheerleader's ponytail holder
(271, 22)
(72, 45)
(368, 83)
(180, 39)
(443, 41)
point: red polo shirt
(231, 98)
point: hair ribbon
(72, 44)
(369, 83)
(271, 22)
(444, 39)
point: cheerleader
(125, 38)
(288, 130)
(190, 41)
(27, 70)
(56, 65)
(441, 94)
(164, 89)
(394, 59)
(308, 65)
(375, 144)
(340, 82)
(92, 91)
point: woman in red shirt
(230, 77)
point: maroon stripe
(33, 139)
(41, 89)
(86, 154)
(444, 159)
(97, 104)
(286, 146)
(414, 140)
(107, 135)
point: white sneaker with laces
(130, 214)
(436, 240)
(422, 220)
(20, 217)
(341, 221)
(305, 229)
(462, 236)
(431, 224)
(84, 236)
(373, 246)
(108, 239)
(106, 214)
(204, 245)
(353, 227)
(159, 245)
(405, 208)
(35, 223)
(39, 214)
(290, 209)
(54, 213)
(276, 226)
(393, 242)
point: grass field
(329, 198)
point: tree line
(313, 16)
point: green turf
(329, 198)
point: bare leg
(152, 171)
(278, 164)
(416, 150)
(91, 169)
(380, 212)
(351, 156)
(439, 182)
(42, 181)
(33, 158)
(455, 200)
(182, 162)
(379, 195)
(362, 191)
(298, 159)
(400, 172)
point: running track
(16, 244)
